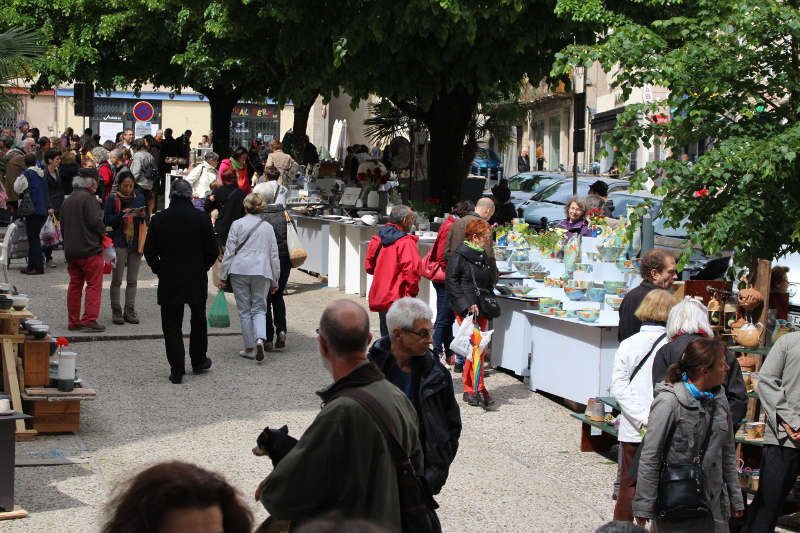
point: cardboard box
(36, 361)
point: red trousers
(469, 372)
(87, 271)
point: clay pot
(750, 335)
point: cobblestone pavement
(519, 468)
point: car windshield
(621, 202)
(530, 182)
(485, 153)
(559, 193)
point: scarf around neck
(235, 164)
(127, 222)
(694, 391)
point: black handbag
(417, 506)
(487, 303)
(25, 206)
(681, 487)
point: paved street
(518, 468)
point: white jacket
(201, 177)
(635, 397)
(259, 255)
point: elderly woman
(278, 159)
(203, 175)
(688, 321)
(104, 168)
(237, 163)
(275, 213)
(689, 422)
(468, 269)
(271, 174)
(251, 260)
(575, 223)
(631, 386)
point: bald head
(485, 208)
(344, 326)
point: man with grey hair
(180, 248)
(144, 168)
(115, 157)
(394, 262)
(83, 229)
(484, 209)
(127, 139)
(203, 175)
(405, 358)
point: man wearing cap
(600, 188)
(23, 126)
(504, 211)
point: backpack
(149, 173)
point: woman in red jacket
(434, 269)
(237, 162)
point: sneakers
(94, 326)
(443, 359)
(260, 350)
(130, 316)
(116, 316)
(281, 341)
(451, 360)
(471, 399)
(247, 355)
(458, 369)
(51, 264)
(202, 368)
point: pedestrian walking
(33, 183)
(180, 248)
(51, 163)
(251, 261)
(126, 231)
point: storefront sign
(660, 119)
(255, 112)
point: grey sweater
(779, 389)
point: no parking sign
(143, 111)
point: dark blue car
(486, 161)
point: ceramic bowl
(596, 295)
(539, 275)
(516, 290)
(588, 315)
(628, 266)
(369, 220)
(6, 303)
(570, 314)
(592, 257)
(30, 323)
(575, 293)
(612, 286)
(614, 303)
(610, 253)
(578, 284)
(547, 310)
(19, 302)
(522, 266)
(560, 313)
(502, 254)
(584, 267)
(549, 301)
(40, 332)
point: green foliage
(732, 71)
(22, 50)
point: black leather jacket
(463, 264)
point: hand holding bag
(297, 253)
(461, 341)
(219, 317)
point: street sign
(647, 93)
(143, 111)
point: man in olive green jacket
(342, 462)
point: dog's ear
(285, 429)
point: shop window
(555, 142)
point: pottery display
(502, 254)
(596, 295)
(749, 299)
(522, 266)
(614, 303)
(612, 286)
(520, 254)
(516, 290)
(549, 301)
(578, 284)
(19, 302)
(628, 266)
(584, 267)
(610, 253)
(749, 335)
(575, 293)
(588, 315)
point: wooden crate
(36, 361)
(55, 417)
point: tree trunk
(448, 122)
(222, 103)
(299, 128)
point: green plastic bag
(219, 316)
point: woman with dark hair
(576, 209)
(52, 160)
(66, 136)
(688, 405)
(228, 200)
(238, 163)
(467, 270)
(254, 163)
(178, 497)
(434, 270)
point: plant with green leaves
(733, 72)
(22, 52)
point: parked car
(526, 185)
(486, 161)
(550, 201)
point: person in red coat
(394, 262)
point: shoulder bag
(681, 487)
(417, 506)
(487, 303)
(228, 287)
(431, 268)
(297, 253)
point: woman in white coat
(251, 260)
(632, 387)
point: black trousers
(779, 469)
(171, 325)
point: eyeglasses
(422, 334)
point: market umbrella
(344, 142)
(477, 356)
(335, 134)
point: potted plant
(426, 210)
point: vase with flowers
(66, 366)
(372, 174)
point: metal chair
(4, 257)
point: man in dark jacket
(83, 230)
(180, 248)
(524, 161)
(184, 143)
(658, 270)
(484, 210)
(342, 462)
(405, 359)
(504, 211)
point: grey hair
(405, 311)
(595, 201)
(399, 214)
(267, 189)
(689, 316)
(7, 141)
(580, 200)
(24, 142)
(100, 154)
(116, 152)
(211, 156)
(85, 178)
(181, 189)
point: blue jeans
(443, 327)
(276, 307)
(251, 303)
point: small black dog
(274, 443)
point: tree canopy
(732, 71)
